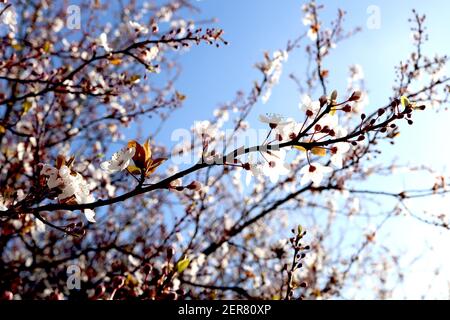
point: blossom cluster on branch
(77, 224)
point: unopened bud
(334, 95)
(194, 185)
(323, 100)
(355, 96)
(347, 108)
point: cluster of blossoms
(73, 188)
(120, 160)
(160, 238)
(8, 17)
(324, 126)
(147, 54)
(71, 185)
(310, 20)
(272, 68)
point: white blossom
(9, 17)
(288, 131)
(119, 161)
(314, 173)
(90, 215)
(204, 128)
(328, 120)
(137, 27)
(308, 19)
(151, 54)
(255, 170)
(71, 184)
(274, 120)
(275, 167)
(309, 106)
(338, 151)
(103, 42)
(273, 72)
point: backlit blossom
(272, 69)
(313, 31)
(71, 185)
(53, 180)
(275, 165)
(338, 150)
(288, 131)
(308, 106)
(137, 27)
(329, 121)
(9, 17)
(205, 128)
(164, 14)
(255, 170)
(182, 26)
(90, 215)
(308, 19)
(103, 42)
(150, 54)
(314, 173)
(274, 120)
(119, 161)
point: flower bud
(323, 100)
(347, 108)
(334, 95)
(355, 96)
(194, 185)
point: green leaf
(299, 229)
(182, 265)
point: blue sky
(211, 76)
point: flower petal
(90, 215)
